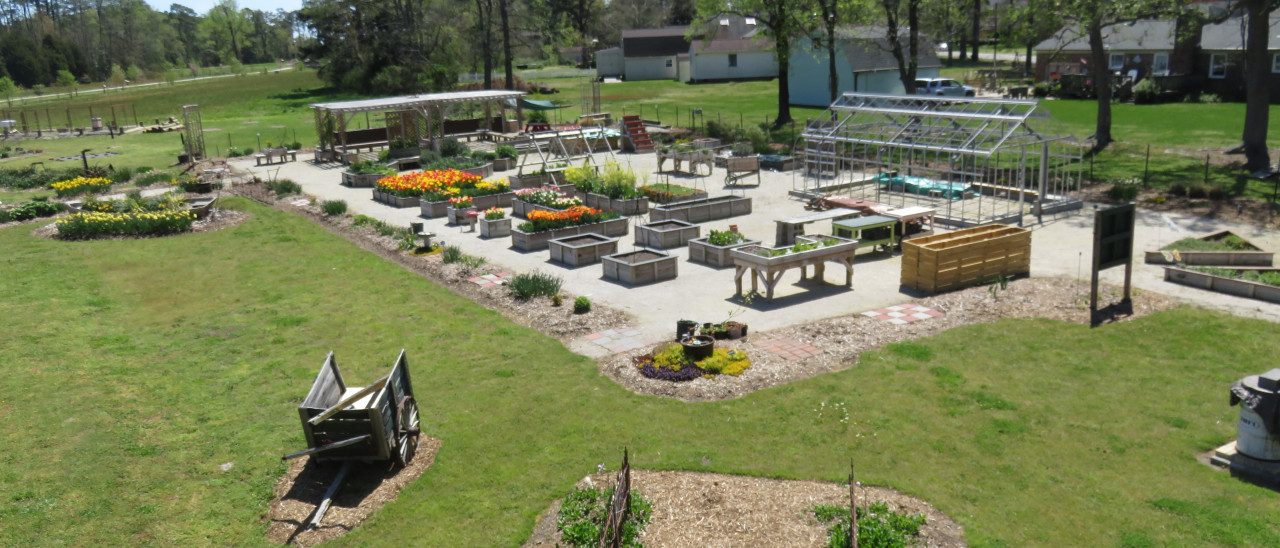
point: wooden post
(1146, 168)
(853, 507)
(328, 495)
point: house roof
(663, 42)
(868, 49)
(732, 46)
(1147, 35)
(732, 34)
(1229, 35)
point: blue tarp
(922, 186)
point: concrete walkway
(1061, 247)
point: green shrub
(581, 305)
(1147, 92)
(877, 526)
(368, 167)
(528, 285)
(483, 156)
(122, 175)
(284, 187)
(152, 177)
(24, 178)
(507, 151)
(1124, 191)
(334, 207)
(428, 157)
(37, 207)
(725, 237)
(584, 511)
(451, 254)
(743, 149)
(538, 117)
(450, 147)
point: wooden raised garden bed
(640, 267)
(504, 164)
(1254, 257)
(965, 258)
(530, 181)
(701, 251)
(458, 216)
(666, 234)
(1224, 284)
(361, 180)
(767, 264)
(582, 249)
(484, 171)
(433, 210)
(535, 241)
(496, 228)
(701, 211)
(521, 208)
(395, 201)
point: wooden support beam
(334, 445)
(328, 495)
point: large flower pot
(496, 228)
(699, 347)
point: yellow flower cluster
(91, 224)
(80, 185)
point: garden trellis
(974, 160)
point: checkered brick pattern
(620, 339)
(490, 280)
(787, 348)
(903, 313)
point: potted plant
(494, 223)
(458, 208)
(506, 158)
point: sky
(202, 6)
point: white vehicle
(943, 86)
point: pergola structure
(410, 117)
(975, 161)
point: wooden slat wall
(965, 258)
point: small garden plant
(670, 363)
(1230, 243)
(334, 208)
(581, 305)
(528, 285)
(878, 527)
(725, 237)
(494, 213)
(36, 207)
(370, 167)
(584, 511)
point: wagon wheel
(408, 429)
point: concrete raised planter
(361, 180)
(433, 210)
(1256, 257)
(484, 171)
(458, 216)
(700, 251)
(534, 241)
(701, 211)
(666, 234)
(582, 249)
(395, 201)
(1223, 284)
(640, 267)
(497, 228)
(628, 206)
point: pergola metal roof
(942, 124)
(406, 102)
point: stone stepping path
(490, 280)
(903, 313)
(787, 348)
(620, 339)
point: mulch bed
(704, 510)
(367, 488)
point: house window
(1160, 64)
(1275, 63)
(1217, 65)
(668, 63)
(733, 59)
(1116, 62)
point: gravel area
(842, 339)
(704, 510)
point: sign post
(1112, 246)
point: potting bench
(874, 230)
(788, 229)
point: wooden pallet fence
(619, 507)
(966, 258)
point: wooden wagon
(375, 422)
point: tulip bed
(80, 185)
(440, 185)
(576, 215)
(141, 223)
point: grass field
(136, 369)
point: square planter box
(434, 210)
(535, 241)
(458, 216)
(701, 211)
(666, 234)
(1223, 284)
(395, 201)
(700, 251)
(1254, 257)
(360, 180)
(640, 267)
(504, 164)
(530, 181)
(497, 228)
(582, 249)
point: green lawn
(135, 369)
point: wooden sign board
(1112, 246)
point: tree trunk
(506, 44)
(784, 88)
(1027, 67)
(976, 29)
(1101, 85)
(833, 76)
(484, 13)
(1257, 75)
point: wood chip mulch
(841, 340)
(704, 510)
(367, 488)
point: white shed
(609, 63)
(732, 49)
(864, 64)
(653, 54)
